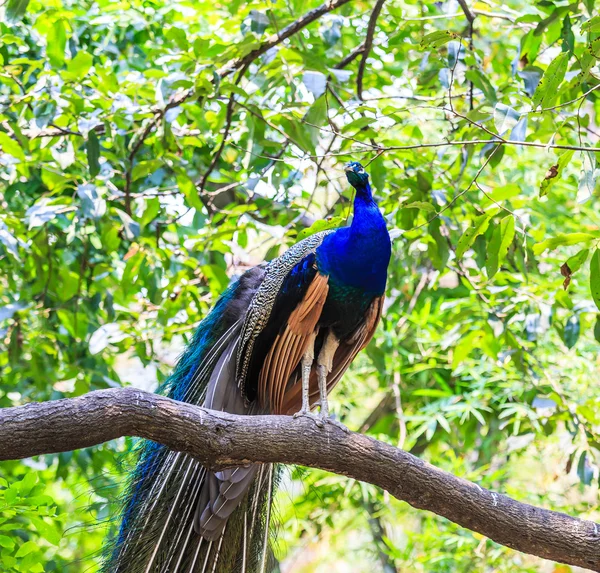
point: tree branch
(223, 440)
(350, 57)
(284, 34)
(367, 47)
(471, 19)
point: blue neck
(367, 217)
(359, 255)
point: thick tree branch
(219, 439)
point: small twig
(457, 197)
(467, 11)
(471, 20)
(350, 57)
(367, 47)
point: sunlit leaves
(12, 147)
(564, 239)
(437, 39)
(481, 81)
(592, 25)
(571, 331)
(93, 153)
(15, 9)
(595, 277)
(479, 226)
(56, 37)
(547, 90)
(502, 237)
(476, 317)
(323, 225)
(554, 172)
(78, 67)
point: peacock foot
(327, 419)
(318, 420)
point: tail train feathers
(179, 516)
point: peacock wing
(290, 344)
(285, 283)
(343, 357)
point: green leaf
(595, 277)
(597, 329)
(585, 471)
(572, 265)
(547, 89)
(563, 239)
(27, 548)
(478, 226)
(56, 37)
(592, 25)
(6, 542)
(567, 35)
(439, 38)
(10, 146)
(47, 531)
(358, 124)
(502, 237)
(321, 225)
(554, 173)
(144, 168)
(187, 187)
(577, 260)
(571, 331)
(481, 81)
(178, 37)
(505, 118)
(15, 10)
(93, 153)
(79, 66)
(438, 250)
(423, 205)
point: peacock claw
(318, 420)
(331, 420)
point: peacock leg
(306, 365)
(324, 367)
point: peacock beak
(348, 168)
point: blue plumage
(358, 256)
(276, 342)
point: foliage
(137, 177)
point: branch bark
(223, 440)
(367, 47)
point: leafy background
(136, 178)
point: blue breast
(358, 255)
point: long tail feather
(159, 532)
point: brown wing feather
(345, 354)
(290, 344)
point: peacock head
(357, 176)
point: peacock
(276, 342)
